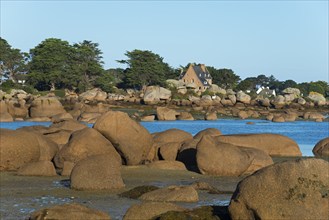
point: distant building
(262, 91)
(196, 76)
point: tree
(105, 81)
(321, 87)
(144, 68)
(248, 83)
(117, 74)
(289, 84)
(262, 80)
(12, 61)
(51, 64)
(224, 78)
(57, 64)
(87, 64)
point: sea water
(305, 133)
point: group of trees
(12, 61)
(56, 64)
(252, 83)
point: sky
(287, 39)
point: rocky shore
(157, 103)
(158, 173)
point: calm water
(305, 133)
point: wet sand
(21, 195)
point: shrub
(207, 92)
(8, 85)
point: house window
(193, 80)
(200, 74)
(200, 87)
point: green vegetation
(224, 78)
(136, 192)
(12, 61)
(144, 68)
(56, 64)
(8, 85)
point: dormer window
(200, 74)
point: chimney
(203, 67)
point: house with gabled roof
(197, 75)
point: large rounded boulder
(99, 172)
(84, 143)
(220, 159)
(17, 108)
(207, 131)
(45, 106)
(68, 124)
(273, 144)
(131, 139)
(72, 211)
(321, 149)
(4, 114)
(154, 94)
(149, 210)
(40, 168)
(172, 135)
(18, 148)
(166, 114)
(289, 190)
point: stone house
(196, 76)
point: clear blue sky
(288, 39)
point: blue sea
(305, 133)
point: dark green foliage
(136, 192)
(207, 92)
(57, 64)
(8, 85)
(224, 78)
(247, 84)
(117, 75)
(51, 65)
(289, 84)
(105, 82)
(252, 83)
(87, 63)
(12, 61)
(172, 73)
(59, 93)
(321, 87)
(144, 68)
(176, 95)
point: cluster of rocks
(117, 138)
(298, 190)
(18, 105)
(92, 158)
(90, 105)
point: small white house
(265, 91)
